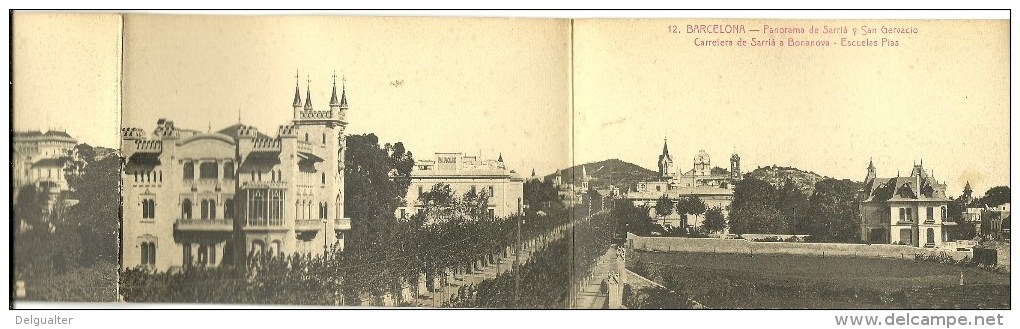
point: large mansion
(40, 158)
(906, 210)
(195, 198)
(463, 173)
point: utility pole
(517, 256)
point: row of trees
(829, 214)
(385, 255)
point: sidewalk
(590, 295)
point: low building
(711, 196)
(906, 210)
(464, 173)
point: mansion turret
(195, 198)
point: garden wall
(741, 246)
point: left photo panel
(65, 187)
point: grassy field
(799, 281)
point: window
(492, 191)
(931, 214)
(257, 206)
(186, 209)
(228, 170)
(421, 191)
(148, 208)
(203, 255)
(492, 213)
(186, 248)
(323, 138)
(205, 209)
(306, 138)
(403, 213)
(212, 208)
(212, 254)
(148, 253)
(189, 170)
(207, 170)
(323, 178)
(228, 208)
(276, 207)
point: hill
(777, 176)
(615, 172)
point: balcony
(265, 225)
(305, 225)
(342, 224)
(204, 225)
(263, 185)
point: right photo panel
(793, 164)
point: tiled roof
(50, 162)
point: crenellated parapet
(148, 146)
(266, 145)
(288, 131)
(132, 133)
(247, 132)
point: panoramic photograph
(800, 164)
(420, 162)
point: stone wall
(670, 244)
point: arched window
(212, 208)
(186, 209)
(189, 170)
(228, 170)
(148, 208)
(228, 209)
(205, 209)
(325, 210)
(273, 173)
(148, 253)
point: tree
(793, 203)
(834, 212)
(714, 220)
(754, 209)
(96, 216)
(995, 196)
(375, 182)
(29, 206)
(691, 205)
(663, 206)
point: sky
(488, 86)
(508, 86)
(941, 97)
(67, 75)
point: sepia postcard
(510, 163)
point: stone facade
(903, 210)
(464, 173)
(213, 198)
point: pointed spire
(308, 94)
(343, 93)
(966, 188)
(533, 172)
(297, 89)
(500, 157)
(333, 102)
(871, 164)
(665, 147)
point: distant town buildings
(464, 173)
(908, 210)
(195, 198)
(40, 159)
(713, 186)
